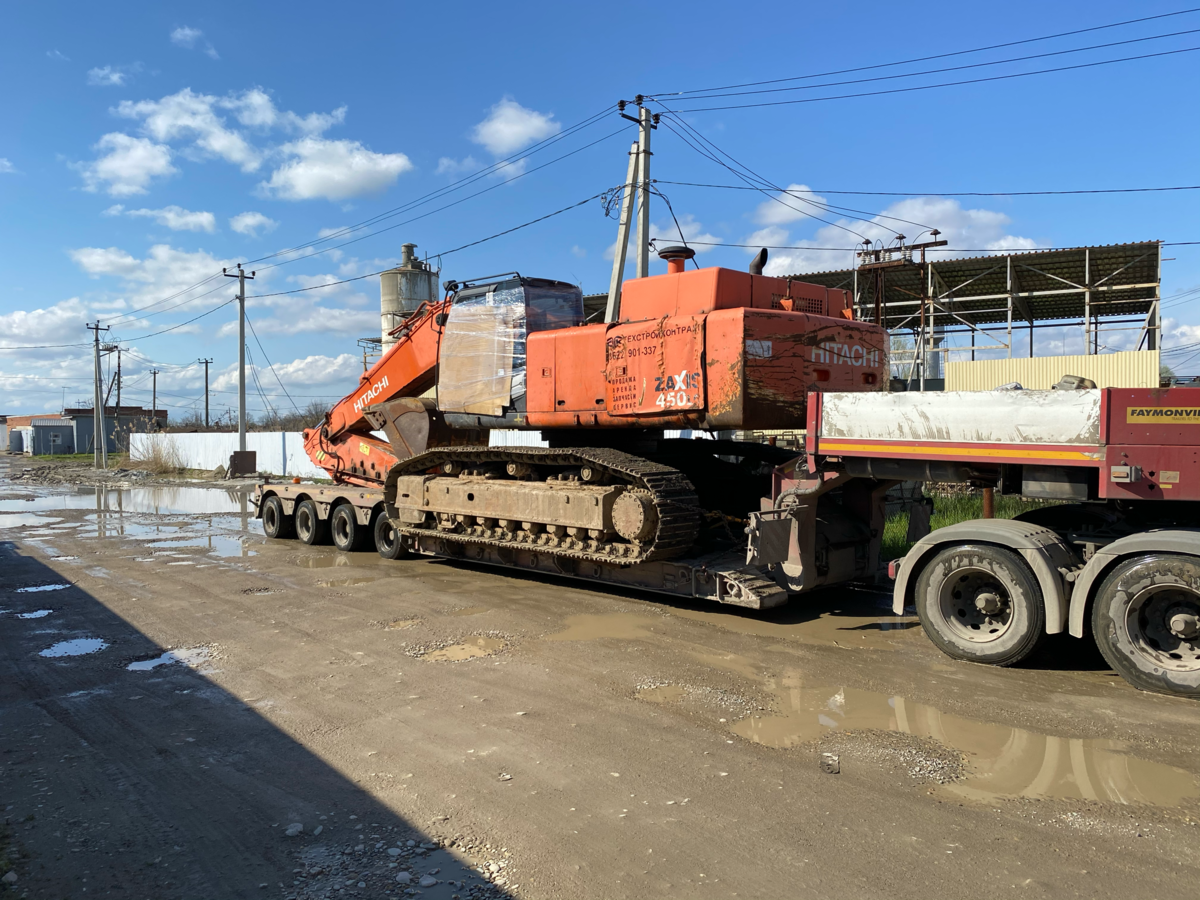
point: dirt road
(334, 725)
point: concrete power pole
(241, 277)
(613, 312)
(99, 445)
(118, 387)
(643, 231)
(206, 362)
(154, 398)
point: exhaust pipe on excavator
(756, 264)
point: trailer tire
(981, 603)
(347, 534)
(1146, 621)
(276, 523)
(310, 527)
(387, 539)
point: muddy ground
(188, 710)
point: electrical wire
(491, 237)
(271, 365)
(928, 87)
(997, 62)
(905, 62)
(742, 187)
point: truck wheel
(276, 523)
(347, 534)
(387, 539)
(981, 603)
(310, 527)
(1146, 620)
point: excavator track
(599, 475)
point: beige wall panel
(1136, 368)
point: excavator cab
(482, 361)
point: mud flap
(768, 537)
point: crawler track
(673, 497)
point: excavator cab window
(481, 367)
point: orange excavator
(616, 482)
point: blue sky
(147, 145)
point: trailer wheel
(276, 523)
(347, 534)
(387, 539)
(981, 603)
(310, 527)
(1146, 620)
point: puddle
(346, 582)
(77, 647)
(663, 693)
(469, 611)
(469, 649)
(39, 588)
(844, 617)
(151, 499)
(25, 520)
(1002, 762)
(622, 626)
(216, 544)
(190, 658)
(336, 560)
(63, 558)
(36, 614)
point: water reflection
(1002, 761)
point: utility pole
(99, 447)
(613, 311)
(241, 277)
(643, 232)
(206, 365)
(118, 385)
(154, 398)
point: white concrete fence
(279, 452)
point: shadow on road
(159, 783)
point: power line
(996, 62)
(271, 366)
(927, 87)
(742, 187)
(920, 59)
(318, 287)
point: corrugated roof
(1047, 285)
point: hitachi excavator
(614, 496)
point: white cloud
(6, 167)
(448, 166)
(510, 127)
(665, 234)
(974, 230)
(112, 76)
(251, 223)
(53, 325)
(255, 109)
(312, 371)
(315, 320)
(163, 272)
(185, 36)
(579, 252)
(127, 166)
(179, 219)
(790, 206)
(333, 170)
(190, 116)
(115, 210)
(58, 56)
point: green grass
(947, 510)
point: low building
(72, 430)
